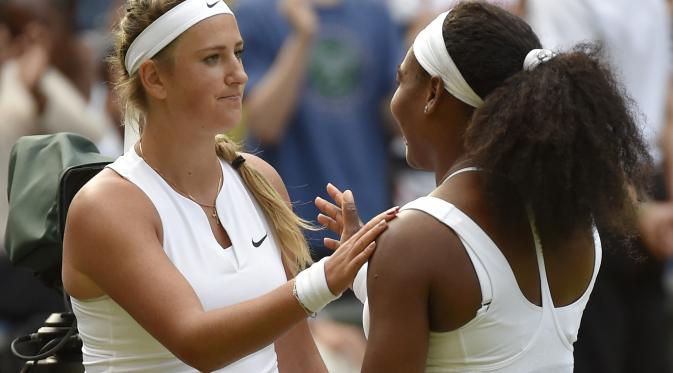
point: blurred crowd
(322, 73)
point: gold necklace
(212, 207)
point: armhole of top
(445, 213)
(123, 171)
(598, 258)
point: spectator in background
(91, 14)
(622, 326)
(44, 87)
(413, 15)
(320, 73)
(94, 23)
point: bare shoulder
(423, 261)
(418, 241)
(108, 209)
(106, 181)
(107, 196)
(268, 172)
(400, 296)
(263, 167)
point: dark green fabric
(33, 237)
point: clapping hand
(33, 58)
(301, 16)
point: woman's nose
(237, 77)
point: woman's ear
(434, 94)
(152, 80)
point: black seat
(72, 181)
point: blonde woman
(177, 256)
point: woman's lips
(231, 98)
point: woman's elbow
(203, 355)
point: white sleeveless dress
(115, 342)
(509, 334)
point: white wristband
(312, 290)
(360, 284)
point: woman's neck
(442, 172)
(183, 154)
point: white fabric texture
(360, 283)
(509, 334)
(431, 53)
(637, 42)
(115, 342)
(168, 27)
(312, 290)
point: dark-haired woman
(531, 150)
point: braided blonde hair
(286, 224)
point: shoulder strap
(547, 300)
(468, 232)
(460, 171)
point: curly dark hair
(563, 136)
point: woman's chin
(411, 162)
(228, 124)
(415, 163)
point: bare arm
(271, 103)
(297, 351)
(398, 290)
(129, 266)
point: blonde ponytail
(286, 224)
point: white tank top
(252, 266)
(509, 334)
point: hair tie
(237, 162)
(536, 57)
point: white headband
(431, 53)
(168, 27)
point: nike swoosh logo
(259, 243)
(213, 4)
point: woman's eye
(239, 54)
(212, 59)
